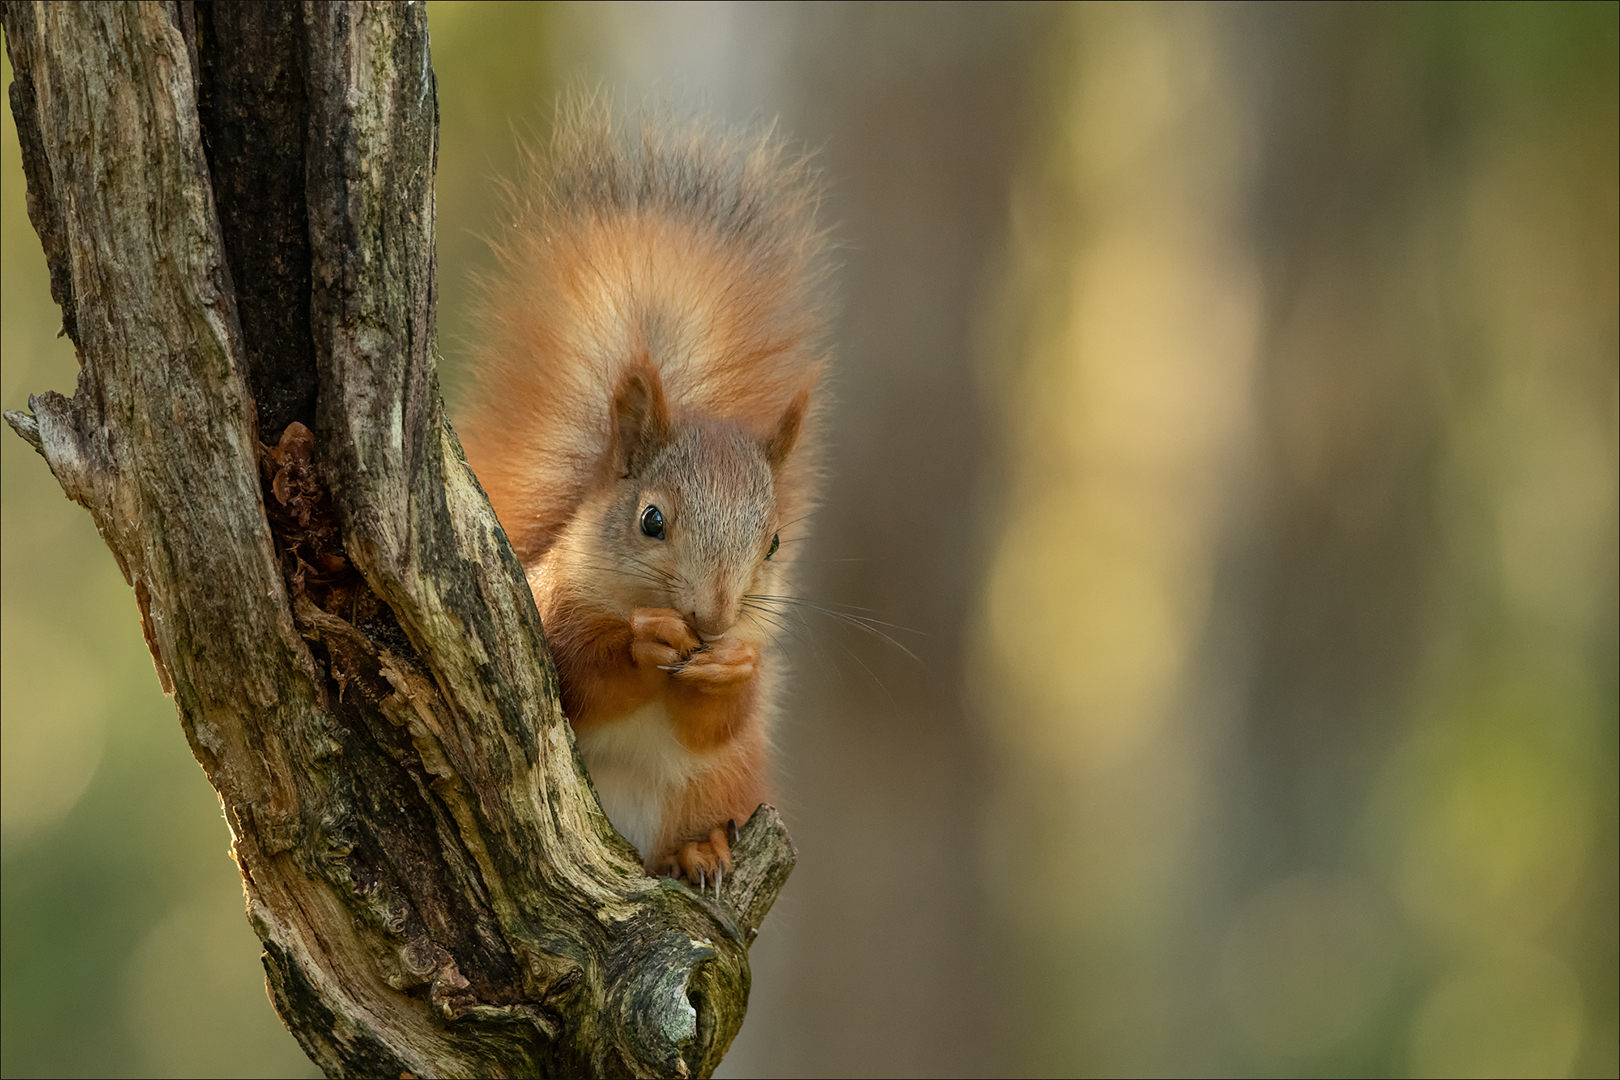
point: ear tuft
(640, 419)
(781, 443)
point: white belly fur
(637, 764)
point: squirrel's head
(689, 518)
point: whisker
(773, 620)
(801, 633)
(765, 611)
(862, 623)
(830, 608)
(875, 632)
(870, 673)
(821, 653)
(846, 614)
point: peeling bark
(236, 206)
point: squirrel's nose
(709, 624)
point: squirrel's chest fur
(639, 768)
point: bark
(236, 205)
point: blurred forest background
(1227, 399)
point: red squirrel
(645, 424)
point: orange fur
(605, 261)
(653, 339)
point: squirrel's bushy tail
(669, 242)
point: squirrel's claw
(700, 862)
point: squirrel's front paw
(702, 863)
(661, 638)
(721, 666)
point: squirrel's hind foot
(702, 863)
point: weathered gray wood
(354, 654)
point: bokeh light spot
(50, 744)
(1307, 962)
(1518, 1014)
(195, 1001)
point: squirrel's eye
(652, 522)
(776, 542)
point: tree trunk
(236, 205)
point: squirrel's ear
(640, 419)
(780, 444)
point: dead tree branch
(236, 205)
